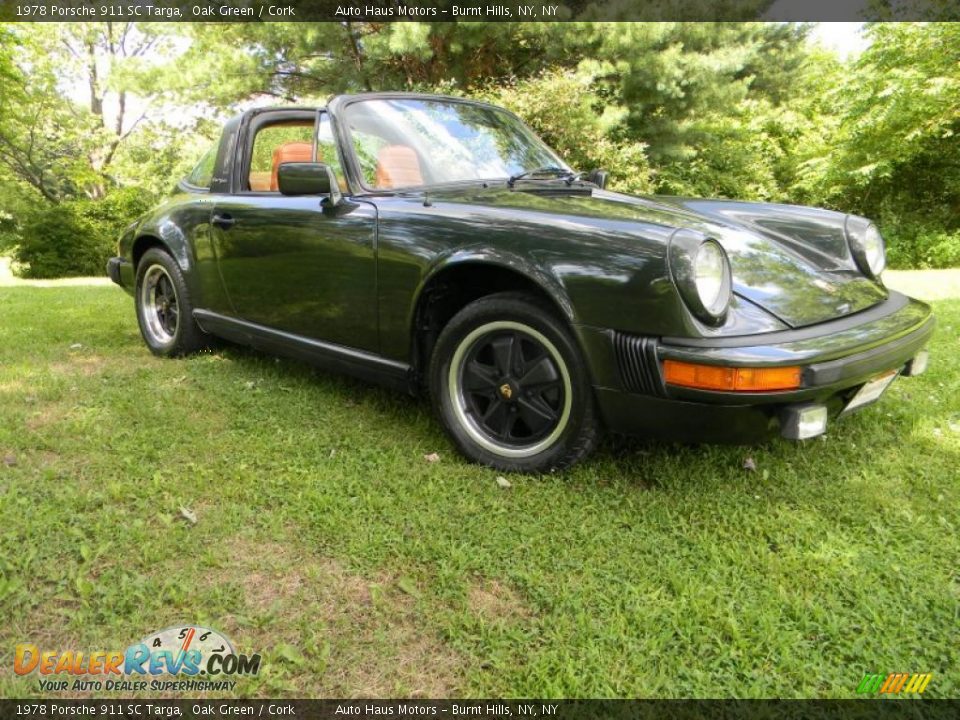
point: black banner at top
(474, 10)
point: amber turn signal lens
(714, 377)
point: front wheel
(164, 309)
(511, 388)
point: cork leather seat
(289, 152)
(398, 166)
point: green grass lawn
(325, 541)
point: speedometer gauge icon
(181, 639)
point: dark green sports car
(436, 243)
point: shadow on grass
(872, 437)
(411, 417)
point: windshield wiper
(547, 170)
(573, 177)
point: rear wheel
(510, 386)
(164, 310)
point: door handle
(222, 221)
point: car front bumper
(120, 271)
(837, 357)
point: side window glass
(327, 150)
(202, 175)
(385, 164)
(276, 144)
(368, 148)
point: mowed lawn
(327, 542)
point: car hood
(792, 261)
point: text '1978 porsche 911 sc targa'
(437, 244)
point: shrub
(922, 247)
(76, 237)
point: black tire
(511, 388)
(164, 308)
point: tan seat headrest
(289, 152)
(398, 166)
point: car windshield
(414, 142)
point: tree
(892, 154)
(668, 75)
(704, 99)
(290, 61)
(59, 145)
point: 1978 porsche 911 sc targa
(437, 243)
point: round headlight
(701, 273)
(710, 275)
(866, 246)
(873, 250)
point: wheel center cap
(506, 391)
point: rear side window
(275, 144)
(202, 175)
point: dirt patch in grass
(12, 387)
(45, 417)
(30, 458)
(83, 365)
(495, 600)
(370, 632)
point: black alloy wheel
(164, 310)
(509, 383)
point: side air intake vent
(637, 360)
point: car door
(289, 263)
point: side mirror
(598, 177)
(308, 178)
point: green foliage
(76, 237)
(892, 154)
(44, 140)
(156, 157)
(287, 61)
(740, 110)
(15, 201)
(72, 171)
(749, 150)
(68, 145)
(669, 75)
(917, 242)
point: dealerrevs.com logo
(184, 658)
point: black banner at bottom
(874, 709)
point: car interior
(396, 165)
(290, 152)
(275, 144)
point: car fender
(549, 284)
(170, 235)
(177, 226)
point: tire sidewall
(528, 312)
(175, 345)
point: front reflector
(714, 377)
(800, 422)
(918, 365)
